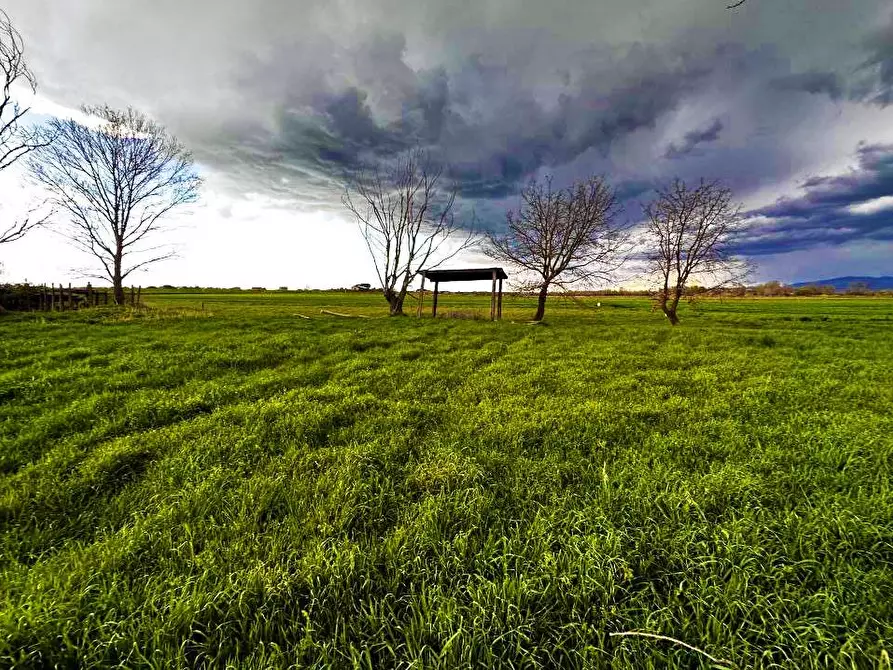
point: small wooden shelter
(467, 274)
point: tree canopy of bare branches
(561, 236)
(689, 236)
(116, 180)
(16, 139)
(405, 212)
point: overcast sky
(789, 102)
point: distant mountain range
(884, 283)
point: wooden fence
(55, 298)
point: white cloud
(873, 206)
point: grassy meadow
(216, 482)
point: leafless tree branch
(36, 217)
(16, 139)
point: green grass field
(216, 482)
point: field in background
(515, 307)
(215, 480)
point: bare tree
(689, 236)
(562, 236)
(16, 139)
(405, 213)
(116, 180)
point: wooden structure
(59, 298)
(469, 274)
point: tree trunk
(397, 305)
(395, 300)
(541, 303)
(118, 283)
(669, 308)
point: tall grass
(235, 486)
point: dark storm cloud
(480, 116)
(496, 118)
(824, 213)
(829, 83)
(693, 139)
(878, 87)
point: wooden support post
(493, 299)
(421, 297)
(43, 298)
(70, 298)
(139, 292)
(434, 309)
(131, 296)
(52, 297)
(499, 301)
(89, 294)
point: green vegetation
(236, 486)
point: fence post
(131, 296)
(421, 297)
(493, 299)
(70, 298)
(434, 306)
(139, 292)
(499, 301)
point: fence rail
(58, 298)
